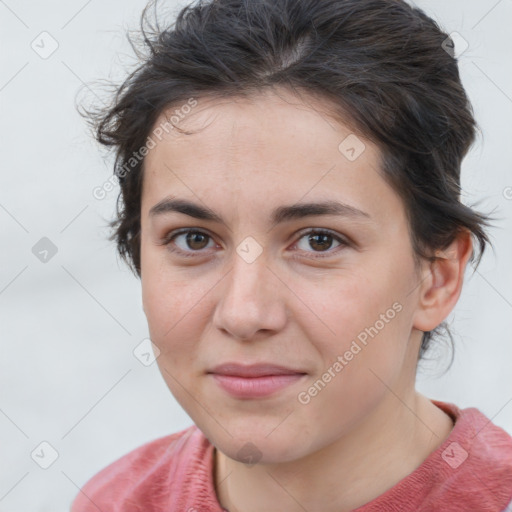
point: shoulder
(471, 470)
(146, 477)
(485, 443)
(477, 461)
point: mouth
(256, 380)
(254, 370)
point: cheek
(174, 310)
(361, 316)
(342, 305)
(177, 307)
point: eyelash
(317, 231)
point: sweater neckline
(395, 492)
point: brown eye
(188, 242)
(196, 240)
(321, 241)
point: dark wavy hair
(382, 65)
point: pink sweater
(470, 472)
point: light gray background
(69, 326)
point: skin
(368, 427)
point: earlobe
(441, 289)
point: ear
(441, 283)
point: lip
(256, 380)
(254, 370)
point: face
(324, 292)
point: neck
(382, 450)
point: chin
(259, 448)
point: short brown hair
(382, 62)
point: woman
(290, 199)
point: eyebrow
(278, 216)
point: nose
(251, 301)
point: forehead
(267, 148)
(272, 119)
